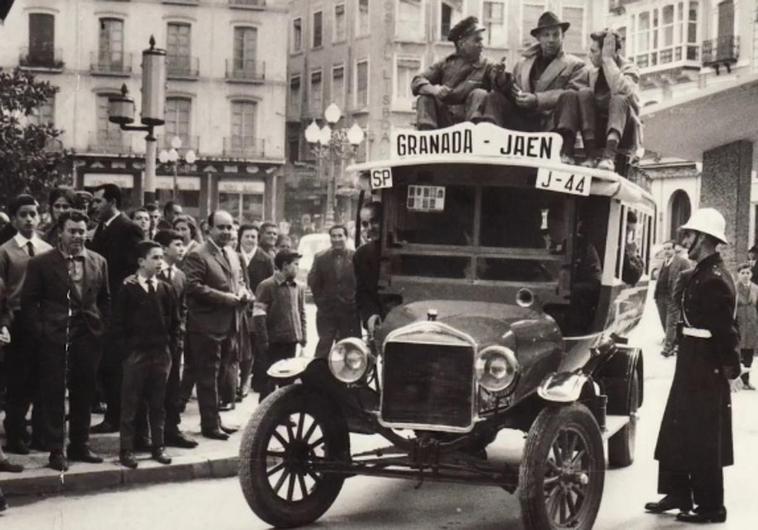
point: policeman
(453, 89)
(695, 439)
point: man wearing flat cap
(607, 110)
(453, 89)
(539, 78)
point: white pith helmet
(707, 221)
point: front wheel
(562, 471)
(290, 429)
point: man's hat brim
(563, 25)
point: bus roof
(487, 144)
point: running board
(614, 424)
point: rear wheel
(621, 445)
(563, 470)
(290, 429)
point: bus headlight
(496, 368)
(349, 360)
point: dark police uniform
(695, 439)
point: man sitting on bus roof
(452, 90)
(607, 109)
(539, 78)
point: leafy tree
(31, 156)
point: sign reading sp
(381, 178)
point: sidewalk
(210, 459)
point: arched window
(679, 211)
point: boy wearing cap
(279, 315)
(452, 90)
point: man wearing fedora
(452, 90)
(695, 438)
(539, 78)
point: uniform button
(716, 371)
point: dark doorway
(680, 211)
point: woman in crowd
(61, 200)
(187, 227)
(747, 319)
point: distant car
(309, 246)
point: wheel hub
(296, 455)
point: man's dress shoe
(84, 454)
(179, 439)
(669, 502)
(228, 430)
(127, 459)
(215, 434)
(160, 456)
(8, 467)
(223, 407)
(57, 461)
(711, 515)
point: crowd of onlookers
(127, 315)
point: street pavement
(387, 503)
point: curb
(82, 478)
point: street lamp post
(173, 157)
(329, 144)
(121, 110)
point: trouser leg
(326, 326)
(746, 355)
(172, 401)
(474, 103)
(619, 114)
(566, 119)
(206, 351)
(22, 385)
(160, 367)
(228, 373)
(431, 114)
(134, 372)
(661, 305)
(52, 364)
(84, 354)
(501, 111)
(348, 323)
(674, 482)
(588, 118)
(672, 319)
(708, 487)
(189, 373)
(112, 375)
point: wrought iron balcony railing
(42, 57)
(724, 50)
(244, 147)
(110, 63)
(246, 70)
(188, 142)
(248, 4)
(182, 66)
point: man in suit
(539, 78)
(332, 282)
(366, 267)
(115, 238)
(607, 109)
(665, 301)
(452, 90)
(260, 266)
(65, 306)
(215, 302)
(21, 358)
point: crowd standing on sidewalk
(134, 311)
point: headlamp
(350, 359)
(496, 368)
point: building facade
(362, 55)
(685, 48)
(225, 92)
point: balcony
(111, 64)
(243, 147)
(109, 142)
(188, 142)
(182, 67)
(42, 58)
(247, 4)
(245, 71)
(182, 2)
(722, 51)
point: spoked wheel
(563, 470)
(288, 431)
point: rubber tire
(538, 442)
(621, 445)
(258, 493)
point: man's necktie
(150, 287)
(30, 249)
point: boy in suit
(279, 314)
(146, 321)
(21, 362)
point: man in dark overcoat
(366, 268)
(695, 440)
(665, 301)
